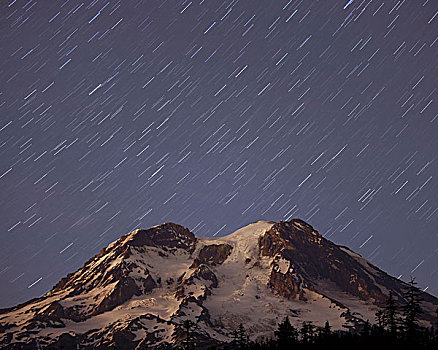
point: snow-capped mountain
(137, 292)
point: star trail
(116, 115)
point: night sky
(116, 115)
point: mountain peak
(168, 235)
(295, 226)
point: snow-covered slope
(137, 292)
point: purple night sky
(116, 115)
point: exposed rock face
(99, 271)
(315, 258)
(213, 254)
(287, 285)
(168, 235)
(123, 290)
(55, 312)
(201, 273)
(137, 292)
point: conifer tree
(412, 309)
(390, 315)
(435, 329)
(235, 336)
(435, 324)
(188, 341)
(327, 330)
(366, 330)
(325, 333)
(242, 340)
(307, 332)
(286, 334)
(380, 319)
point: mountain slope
(137, 292)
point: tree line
(396, 326)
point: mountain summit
(137, 292)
